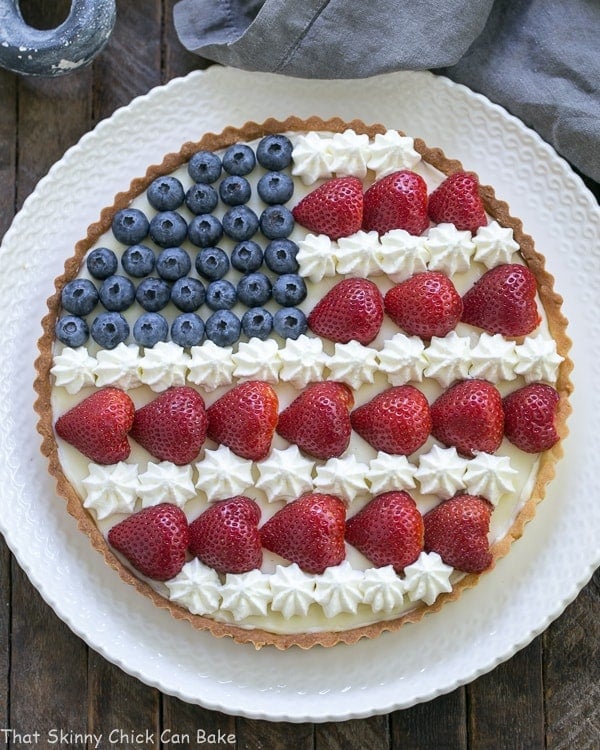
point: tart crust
(496, 208)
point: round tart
(304, 382)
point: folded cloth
(538, 58)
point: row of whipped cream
(287, 474)
(291, 592)
(399, 255)
(301, 361)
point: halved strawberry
(172, 427)
(351, 310)
(469, 416)
(397, 201)
(529, 417)
(457, 201)
(427, 304)
(98, 426)
(318, 420)
(503, 301)
(388, 531)
(226, 537)
(154, 540)
(244, 419)
(309, 531)
(335, 208)
(395, 421)
(457, 530)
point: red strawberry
(425, 305)
(98, 426)
(173, 426)
(154, 540)
(395, 421)
(529, 415)
(244, 419)
(318, 420)
(469, 416)
(503, 301)
(226, 537)
(457, 201)
(351, 310)
(309, 532)
(457, 530)
(397, 201)
(388, 531)
(335, 208)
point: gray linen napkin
(538, 58)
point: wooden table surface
(546, 696)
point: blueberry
(138, 260)
(212, 263)
(276, 222)
(240, 223)
(109, 329)
(280, 256)
(290, 322)
(201, 198)
(165, 193)
(204, 166)
(247, 256)
(254, 289)
(187, 329)
(153, 294)
(102, 263)
(79, 296)
(223, 328)
(289, 290)
(239, 159)
(173, 263)
(235, 190)
(188, 294)
(275, 187)
(205, 230)
(168, 229)
(117, 293)
(221, 295)
(150, 328)
(130, 226)
(274, 152)
(257, 323)
(72, 330)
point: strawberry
(154, 540)
(226, 537)
(351, 310)
(98, 426)
(172, 427)
(457, 201)
(244, 419)
(529, 417)
(309, 531)
(397, 201)
(318, 420)
(469, 416)
(503, 301)
(388, 531)
(427, 304)
(395, 421)
(335, 208)
(457, 530)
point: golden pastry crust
(496, 208)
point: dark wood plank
(506, 706)
(5, 631)
(8, 148)
(439, 724)
(372, 733)
(188, 726)
(260, 735)
(572, 674)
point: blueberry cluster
(260, 267)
